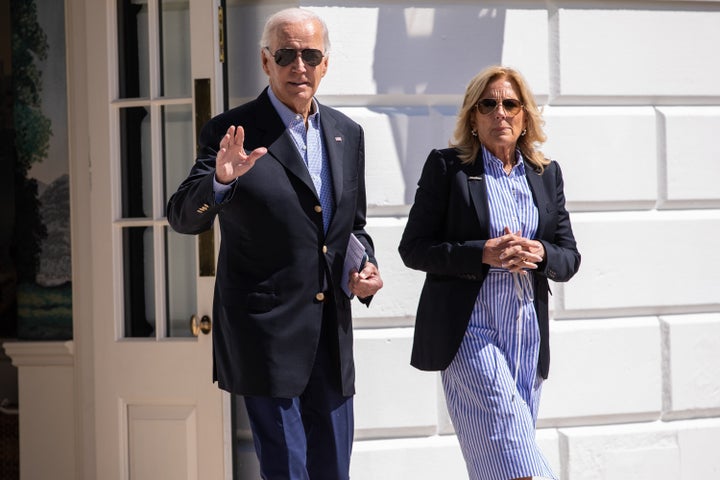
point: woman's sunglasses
(285, 56)
(488, 105)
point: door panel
(153, 456)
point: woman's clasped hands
(513, 252)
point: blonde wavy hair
(468, 145)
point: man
(285, 176)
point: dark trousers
(307, 437)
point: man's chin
(302, 95)
(301, 90)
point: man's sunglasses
(488, 105)
(286, 56)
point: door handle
(204, 325)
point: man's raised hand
(232, 160)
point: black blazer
(445, 235)
(274, 257)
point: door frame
(90, 87)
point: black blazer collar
(336, 141)
(535, 180)
(278, 141)
(478, 192)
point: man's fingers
(239, 136)
(228, 139)
(257, 153)
(232, 159)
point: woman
(489, 226)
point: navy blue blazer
(275, 258)
(445, 234)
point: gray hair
(293, 15)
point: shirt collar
(493, 163)
(286, 115)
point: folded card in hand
(355, 258)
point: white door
(153, 74)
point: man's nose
(298, 63)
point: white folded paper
(355, 258)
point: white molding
(37, 354)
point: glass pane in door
(138, 281)
(133, 59)
(178, 145)
(155, 120)
(135, 162)
(175, 48)
(181, 273)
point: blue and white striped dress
(492, 387)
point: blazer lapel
(278, 141)
(335, 142)
(478, 193)
(284, 151)
(539, 194)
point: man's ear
(264, 61)
(325, 61)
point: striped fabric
(492, 387)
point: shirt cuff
(220, 190)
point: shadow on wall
(245, 76)
(431, 51)
(418, 51)
(435, 51)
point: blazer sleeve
(359, 220)
(360, 216)
(562, 258)
(192, 208)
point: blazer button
(320, 296)
(324, 249)
(318, 208)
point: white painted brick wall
(691, 155)
(632, 108)
(692, 365)
(588, 386)
(641, 50)
(607, 154)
